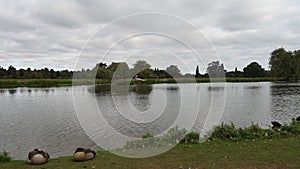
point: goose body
(298, 118)
(82, 154)
(37, 157)
(276, 125)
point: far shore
(13, 83)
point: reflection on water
(12, 91)
(173, 88)
(46, 118)
(141, 89)
(216, 88)
(129, 114)
(247, 103)
(285, 101)
(33, 118)
(252, 87)
(121, 89)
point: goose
(37, 157)
(82, 154)
(298, 118)
(276, 125)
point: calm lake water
(46, 117)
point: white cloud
(52, 33)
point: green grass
(208, 80)
(10, 83)
(263, 153)
(254, 79)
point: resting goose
(82, 154)
(38, 157)
(276, 125)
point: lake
(60, 119)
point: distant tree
(2, 72)
(254, 70)
(161, 73)
(188, 75)
(102, 73)
(141, 65)
(12, 72)
(174, 71)
(235, 73)
(281, 63)
(113, 66)
(296, 63)
(197, 75)
(122, 71)
(215, 69)
(142, 69)
(101, 64)
(45, 73)
(52, 74)
(22, 73)
(65, 74)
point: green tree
(281, 63)
(197, 72)
(12, 72)
(235, 73)
(215, 69)
(2, 72)
(101, 64)
(296, 62)
(161, 73)
(254, 70)
(141, 65)
(174, 71)
(122, 71)
(22, 73)
(113, 66)
(142, 69)
(52, 74)
(103, 73)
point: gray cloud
(52, 33)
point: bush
(171, 137)
(254, 132)
(4, 157)
(148, 135)
(225, 131)
(293, 128)
(191, 138)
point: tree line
(283, 64)
(13, 73)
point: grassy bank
(11, 83)
(207, 80)
(227, 147)
(270, 153)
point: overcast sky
(73, 34)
